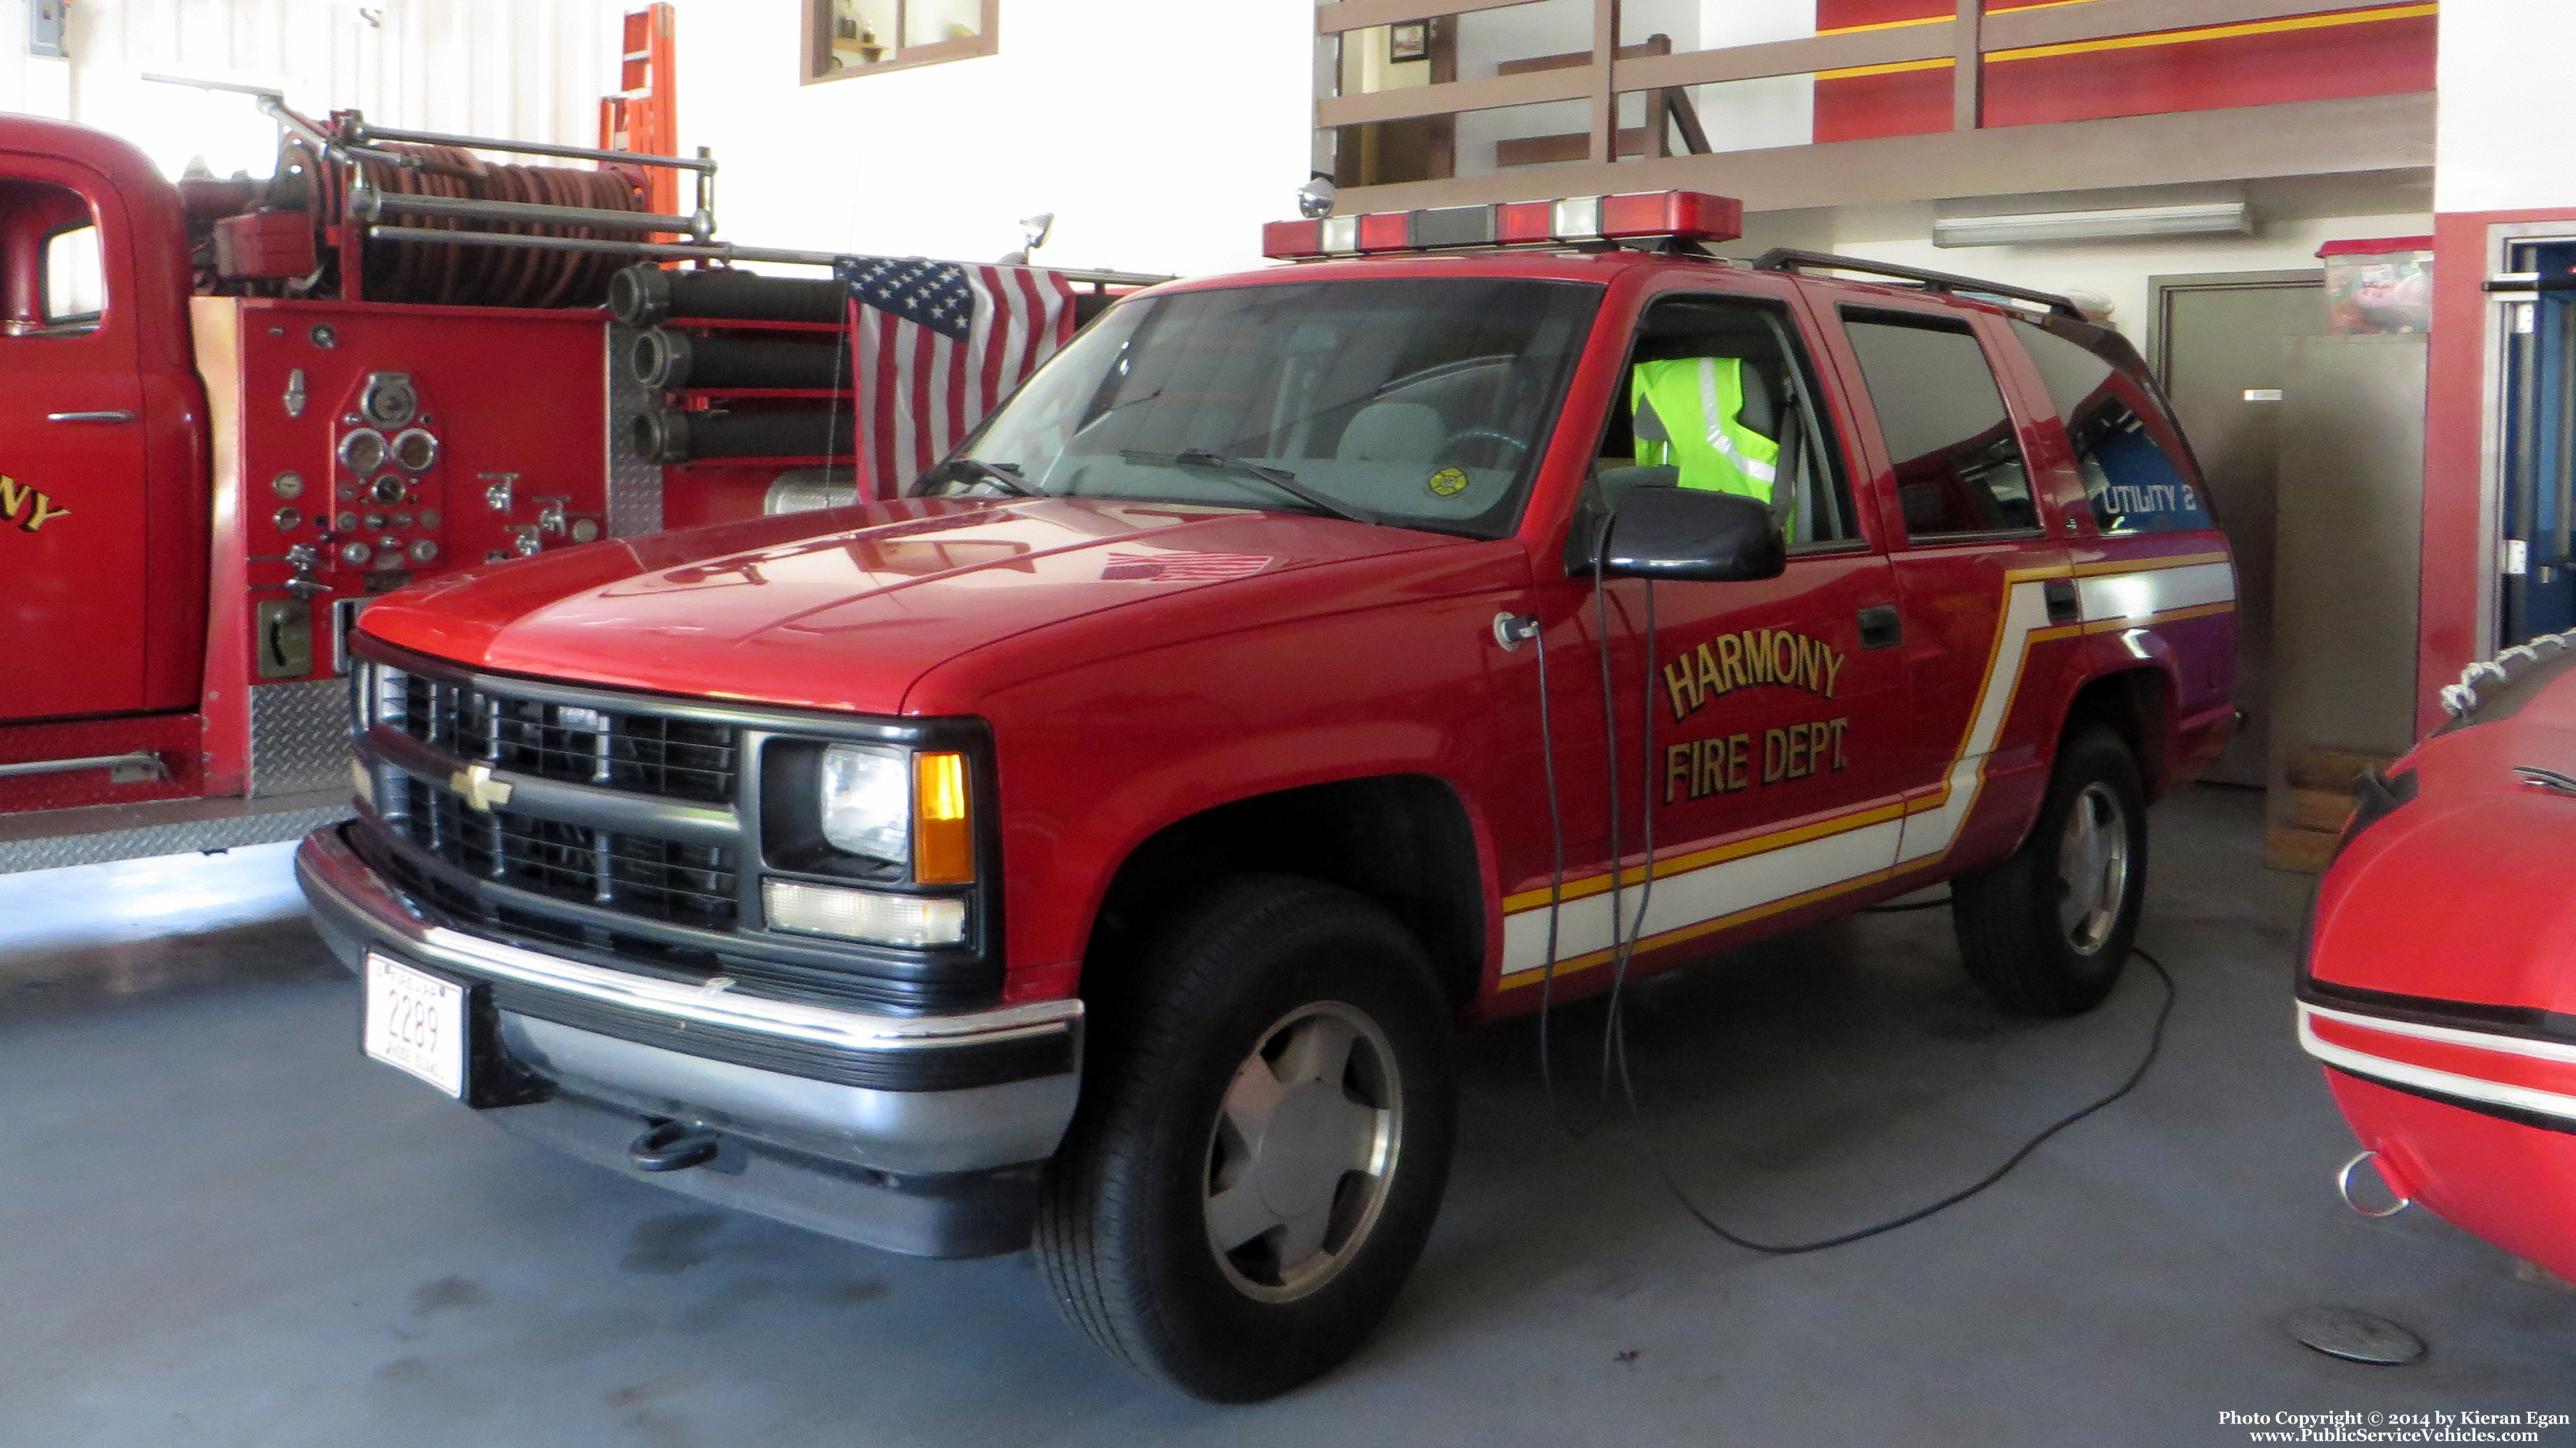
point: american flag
(1184, 567)
(934, 346)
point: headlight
(867, 801)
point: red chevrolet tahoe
(1099, 845)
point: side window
(1958, 463)
(53, 280)
(2135, 471)
(75, 279)
(1719, 395)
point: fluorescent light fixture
(2216, 218)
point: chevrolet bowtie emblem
(480, 789)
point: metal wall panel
(2348, 547)
(524, 69)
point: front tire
(1262, 1144)
(2047, 931)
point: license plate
(416, 1023)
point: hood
(844, 609)
(2461, 894)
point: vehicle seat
(1392, 432)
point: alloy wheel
(1302, 1151)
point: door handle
(1880, 628)
(117, 414)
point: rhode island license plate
(416, 1023)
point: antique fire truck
(233, 412)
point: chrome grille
(641, 753)
(686, 884)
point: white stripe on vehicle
(2425, 1078)
(1860, 855)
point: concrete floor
(222, 1226)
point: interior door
(2223, 352)
(72, 492)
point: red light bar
(1682, 215)
(1386, 231)
(1292, 238)
(1676, 215)
(1522, 221)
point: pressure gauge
(584, 530)
(355, 552)
(287, 486)
(375, 522)
(423, 550)
(390, 488)
(415, 450)
(362, 451)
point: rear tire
(2047, 931)
(1262, 1143)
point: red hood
(774, 610)
(2464, 894)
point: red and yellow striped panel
(2373, 50)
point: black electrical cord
(1624, 943)
(1555, 879)
(2155, 1046)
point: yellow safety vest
(1698, 400)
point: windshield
(1422, 403)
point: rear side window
(1958, 462)
(2135, 470)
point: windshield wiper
(1001, 475)
(1280, 478)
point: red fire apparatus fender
(2440, 986)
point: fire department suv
(1099, 845)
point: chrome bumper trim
(328, 869)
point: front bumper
(919, 1134)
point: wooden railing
(1966, 39)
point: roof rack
(1790, 259)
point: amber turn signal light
(943, 838)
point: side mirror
(1692, 534)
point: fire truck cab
(1098, 845)
(104, 421)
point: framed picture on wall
(1409, 41)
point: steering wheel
(1450, 444)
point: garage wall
(1161, 134)
(2292, 220)
(2506, 105)
(530, 70)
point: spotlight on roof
(1315, 198)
